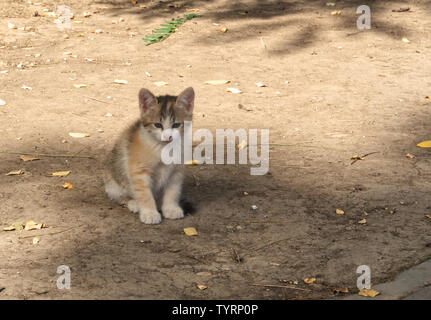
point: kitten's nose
(170, 138)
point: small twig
(278, 286)
(365, 155)
(47, 234)
(95, 99)
(235, 256)
(268, 244)
(260, 221)
(48, 155)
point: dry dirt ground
(349, 93)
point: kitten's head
(163, 116)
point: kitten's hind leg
(133, 205)
(115, 192)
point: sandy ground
(349, 93)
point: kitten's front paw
(150, 216)
(173, 212)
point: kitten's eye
(158, 125)
(176, 125)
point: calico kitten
(136, 176)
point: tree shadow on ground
(269, 18)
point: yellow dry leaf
(410, 156)
(190, 231)
(424, 144)
(340, 290)
(309, 280)
(217, 82)
(67, 185)
(330, 4)
(336, 12)
(224, 29)
(15, 173)
(80, 85)
(368, 293)
(191, 163)
(242, 145)
(26, 158)
(363, 221)
(60, 173)
(201, 287)
(18, 225)
(120, 81)
(79, 134)
(160, 83)
(356, 157)
(428, 216)
(35, 240)
(339, 211)
(233, 90)
(31, 225)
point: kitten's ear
(147, 100)
(186, 100)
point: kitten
(136, 176)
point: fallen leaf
(35, 240)
(233, 90)
(330, 4)
(291, 281)
(79, 134)
(410, 156)
(428, 216)
(120, 81)
(427, 97)
(17, 225)
(217, 82)
(224, 29)
(356, 157)
(405, 40)
(190, 231)
(160, 83)
(201, 287)
(31, 225)
(309, 280)
(15, 173)
(368, 293)
(191, 163)
(26, 158)
(339, 211)
(424, 144)
(363, 221)
(67, 185)
(336, 12)
(60, 173)
(260, 85)
(242, 145)
(80, 85)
